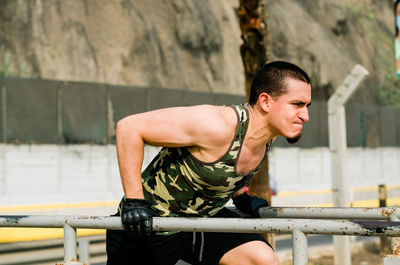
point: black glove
(137, 217)
(249, 204)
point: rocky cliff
(194, 45)
(328, 37)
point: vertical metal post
(395, 240)
(300, 256)
(385, 242)
(70, 256)
(382, 191)
(396, 246)
(337, 147)
(394, 258)
(84, 255)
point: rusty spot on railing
(396, 246)
(387, 212)
(95, 217)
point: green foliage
(5, 66)
(389, 91)
(389, 88)
(8, 69)
(365, 16)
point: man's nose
(304, 116)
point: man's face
(290, 110)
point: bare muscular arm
(205, 129)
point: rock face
(328, 38)
(193, 45)
(146, 43)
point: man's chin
(293, 140)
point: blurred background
(70, 69)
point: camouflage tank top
(181, 185)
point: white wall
(32, 174)
(42, 174)
(310, 169)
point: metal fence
(82, 112)
(299, 221)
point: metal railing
(303, 221)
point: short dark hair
(271, 77)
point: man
(209, 154)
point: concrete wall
(56, 140)
(34, 111)
(43, 174)
(38, 111)
(311, 168)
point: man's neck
(258, 133)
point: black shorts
(192, 247)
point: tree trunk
(253, 28)
(254, 55)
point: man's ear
(265, 101)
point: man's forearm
(130, 149)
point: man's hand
(249, 204)
(137, 217)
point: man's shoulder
(218, 122)
(225, 114)
(212, 112)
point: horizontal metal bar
(240, 225)
(308, 226)
(58, 221)
(330, 212)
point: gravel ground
(366, 253)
